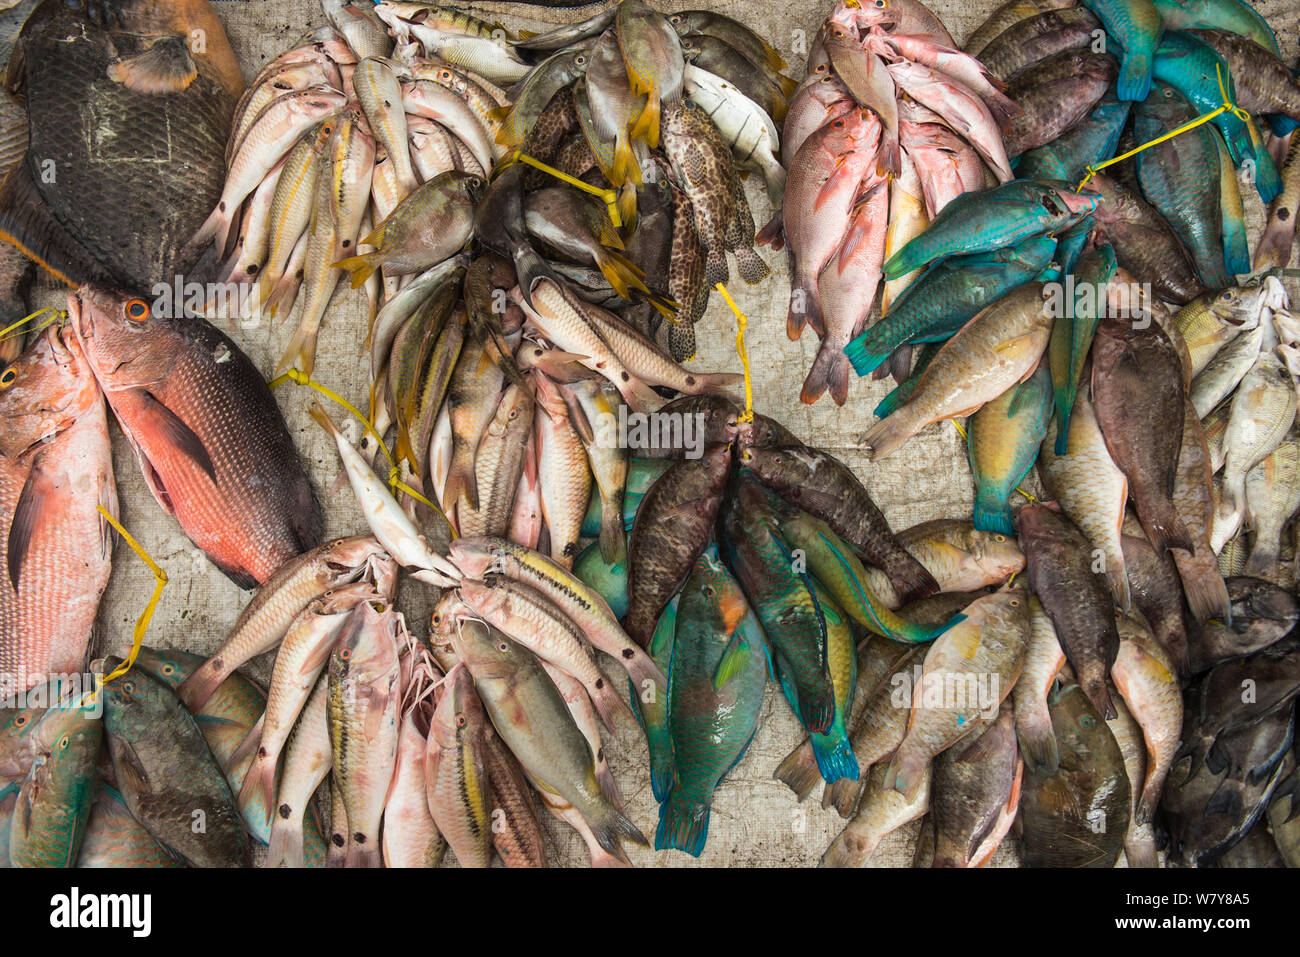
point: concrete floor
(756, 820)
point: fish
(1278, 240)
(766, 87)
(363, 708)
(1137, 392)
(1144, 242)
(990, 642)
(1059, 567)
(997, 349)
(974, 794)
(1074, 329)
(822, 485)
(1157, 593)
(55, 471)
(702, 165)
(517, 835)
(210, 439)
(882, 811)
(1225, 370)
(908, 17)
(536, 91)
(430, 225)
(1272, 498)
(869, 81)
(499, 465)
(1282, 817)
(960, 109)
(956, 64)
(709, 23)
(1077, 815)
(133, 78)
(1139, 840)
(261, 624)
(1002, 441)
(308, 756)
(456, 772)
(719, 669)
(1262, 82)
(1081, 149)
(1006, 16)
(410, 836)
(1027, 42)
(652, 54)
(1216, 318)
(54, 799)
(748, 130)
(961, 559)
(672, 528)
(1236, 250)
(989, 220)
(1261, 613)
(1144, 676)
(908, 218)
(1058, 93)
(113, 838)
(563, 472)
(1033, 720)
(167, 774)
(1263, 410)
(1136, 27)
(533, 721)
(1234, 15)
(945, 297)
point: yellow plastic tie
(608, 196)
(741, 322)
(962, 432)
(1227, 107)
(16, 329)
(142, 623)
(298, 377)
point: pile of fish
(890, 125)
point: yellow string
(962, 432)
(741, 322)
(57, 315)
(298, 377)
(608, 196)
(1227, 107)
(142, 623)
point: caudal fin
(1002, 108)
(1134, 81)
(843, 796)
(1038, 744)
(1165, 530)
(615, 827)
(993, 512)
(834, 756)
(910, 578)
(683, 825)
(259, 785)
(906, 772)
(861, 355)
(830, 370)
(360, 267)
(799, 771)
(1207, 594)
(750, 265)
(285, 848)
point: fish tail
(864, 362)
(215, 229)
(910, 578)
(1227, 519)
(843, 795)
(1117, 579)
(1207, 594)
(1038, 745)
(889, 403)
(286, 845)
(609, 785)
(805, 307)
(715, 266)
(835, 755)
(625, 169)
(646, 127)
(301, 352)
(683, 825)
(623, 274)
(1099, 694)
(1141, 853)
(1263, 560)
(363, 855)
(259, 785)
(773, 233)
(1134, 81)
(1166, 530)
(615, 827)
(774, 177)
(200, 686)
(1002, 108)
(750, 265)
(799, 771)
(607, 703)
(993, 512)
(613, 541)
(722, 383)
(888, 434)
(829, 366)
(906, 772)
(360, 267)
(461, 480)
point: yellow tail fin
(361, 267)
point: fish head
(720, 592)
(119, 334)
(475, 557)
(488, 653)
(167, 665)
(484, 596)
(348, 559)
(458, 716)
(1244, 305)
(367, 646)
(998, 556)
(44, 391)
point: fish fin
(834, 756)
(40, 493)
(772, 234)
(301, 352)
(376, 706)
(26, 222)
(359, 267)
(129, 769)
(799, 771)
(906, 772)
(734, 659)
(1001, 107)
(683, 825)
(613, 541)
(750, 265)
(829, 371)
(252, 740)
(864, 362)
(173, 430)
(614, 827)
(993, 512)
(1134, 81)
(626, 169)
(646, 126)
(530, 268)
(1207, 593)
(1038, 746)
(164, 67)
(259, 785)
(805, 307)
(842, 795)
(1166, 531)
(623, 274)
(286, 845)
(607, 703)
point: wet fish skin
(1059, 566)
(882, 811)
(1073, 80)
(1006, 16)
(1264, 84)
(1144, 242)
(1272, 498)
(1157, 593)
(114, 838)
(159, 372)
(1003, 438)
(1136, 26)
(1024, 44)
(165, 772)
(1138, 389)
(1225, 371)
(1145, 678)
(1278, 241)
(307, 759)
(1216, 318)
(517, 834)
(455, 768)
(1059, 809)
(972, 787)
(1043, 661)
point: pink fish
(962, 67)
(961, 110)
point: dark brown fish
(210, 438)
(821, 484)
(1078, 815)
(1138, 391)
(1055, 95)
(975, 792)
(1158, 593)
(1262, 613)
(1058, 560)
(1263, 83)
(718, 425)
(1023, 45)
(672, 528)
(1144, 242)
(128, 121)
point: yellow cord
(142, 623)
(741, 322)
(298, 377)
(608, 196)
(1227, 107)
(962, 432)
(16, 329)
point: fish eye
(1227, 296)
(137, 310)
(461, 720)
(20, 721)
(708, 591)
(345, 654)
(503, 646)
(999, 538)
(8, 378)
(881, 4)
(63, 743)
(580, 59)
(675, 18)
(338, 542)
(1015, 603)
(168, 670)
